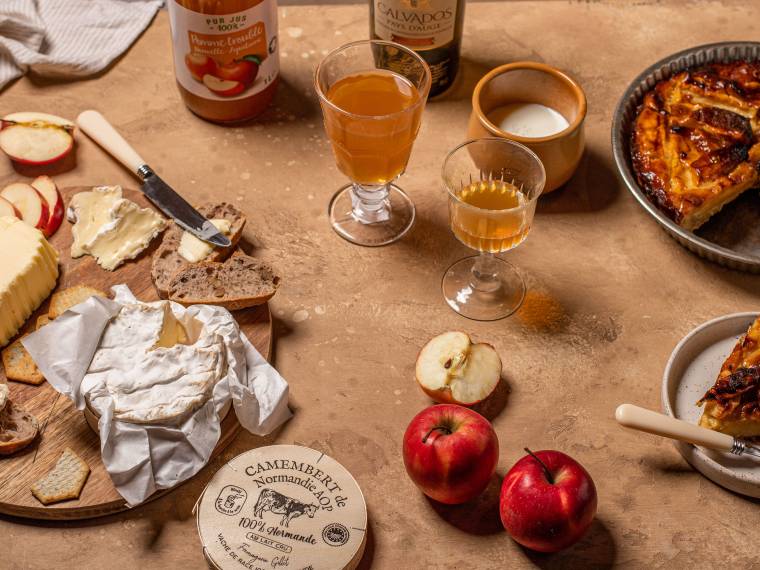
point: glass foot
(371, 223)
(501, 296)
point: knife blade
(159, 192)
(175, 206)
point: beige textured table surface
(610, 295)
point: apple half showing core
(548, 501)
(452, 369)
(36, 138)
(450, 453)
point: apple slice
(223, 87)
(451, 369)
(36, 138)
(8, 209)
(45, 186)
(30, 204)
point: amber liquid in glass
(373, 137)
(490, 216)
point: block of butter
(110, 228)
(194, 249)
(28, 273)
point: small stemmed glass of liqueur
(372, 95)
(492, 185)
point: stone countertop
(610, 295)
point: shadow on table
(748, 282)
(369, 548)
(479, 516)
(289, 100)
(593, 187)
(596, 550)
(494, 404)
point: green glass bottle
(432, 28)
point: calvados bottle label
(418, 24)
(284, 507)
(225, 57)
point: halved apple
(36, 138)
(451, 369)
(8, 209)
(30, 204)
(223, 87)
(45, 186)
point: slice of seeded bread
(237, 283)
(167, 261)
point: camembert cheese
(111, 228)
(194, 249)
(28, 273)
(151, 367)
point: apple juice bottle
(225, 56)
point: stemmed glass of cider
(372, 95)
(492, 185)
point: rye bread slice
(237, 283)
(167, 261)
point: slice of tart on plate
(732, 405)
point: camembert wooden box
(282, 506)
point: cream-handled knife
(642, 419)
(95, 126)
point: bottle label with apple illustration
(225, 57)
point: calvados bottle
(432, 28)
(225, 56)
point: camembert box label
(282, 506)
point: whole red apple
(548, 501)
(450, 452)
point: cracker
(19, 365)
(42, 320)
(65, 481)
(61, 301)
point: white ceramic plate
(690, 372)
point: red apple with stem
(548, 501)
(450, 452)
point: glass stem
(485, 274)
(370, 204)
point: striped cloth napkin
(68, 38)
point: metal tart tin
(718, 240)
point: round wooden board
(61, 424)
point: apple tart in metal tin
(686, 141)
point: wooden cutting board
(61, 424)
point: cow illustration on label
(279, 504)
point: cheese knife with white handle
(95, 125)
(648, 421)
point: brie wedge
(194, 249)
(111, 228)
(152, 367)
